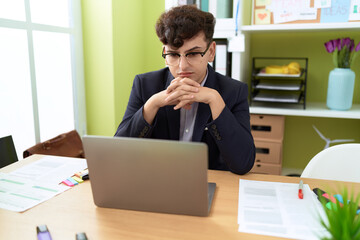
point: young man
(188, 100)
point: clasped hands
(182, 92)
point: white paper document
(273, 97)
(308, 14)
(271, 208)
(19, 194)
(354, 10)
(279, 86)
(322, 3)
(37, 182)
(51, 169)
(288, 11)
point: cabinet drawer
(267, 127)
(268, 152)
(266, 168)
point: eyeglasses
(193, 58)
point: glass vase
(340, 89)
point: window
(41, 70)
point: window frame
(77, 63)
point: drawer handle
(258, 165)
(262, 150)
(261, 128)
(258, 160)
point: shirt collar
(205, 78)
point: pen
(43, 233)
(300, 193)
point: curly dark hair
(184, 22)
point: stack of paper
(37, 182)
(279, 86)
(272, 208)
(273, 97)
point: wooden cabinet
(268, 133)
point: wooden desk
(74, 211)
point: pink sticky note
(68, 183)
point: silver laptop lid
(148, 175)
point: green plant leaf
(353, 57)
(341, 57)
(335, 58)
(343, 222)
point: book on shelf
(204, 5)
(222, 61)
(219, 8)
(189, 2)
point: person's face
(195, 70)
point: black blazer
(230, 143)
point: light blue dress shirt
(187, 119)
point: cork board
(304, 11)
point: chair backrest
(340, 162)
(7, 151)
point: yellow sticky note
(261, 3)
(262, 16)
(79, 180)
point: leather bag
(67, 145)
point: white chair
(340, 162)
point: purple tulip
(357, 47)
(346, 42)
(352, 44)
(342, 51)
(329, 46)
(337, 43)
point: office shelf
(313, 109)
(309, 27)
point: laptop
(149, 175)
